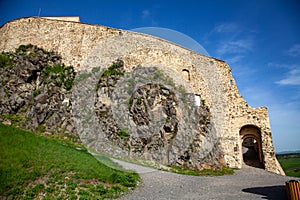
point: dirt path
(247, 183)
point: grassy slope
(290, 164)
(33, 166)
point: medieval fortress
(168, 104)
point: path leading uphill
(246, 183)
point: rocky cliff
(35, 90)
(144, 114)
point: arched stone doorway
(252, 146)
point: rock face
(35, 90)
(152, 118)
(135, 95)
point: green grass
(205, 172)
(32, 166)
(108, 162)
(290, 164)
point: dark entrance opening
(251, 153)
(251, 146)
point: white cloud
(293, 78)
(226, 28)
(233, 41)
(294, 51)
(145, 14)
(234, 59)
(236, 47)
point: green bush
(36, 92)
(61, 75)
(5, 61)
(114, 69)
(124, 179)
(22, 50)
(123, 133)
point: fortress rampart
(86, 46)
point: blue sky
(259, 39)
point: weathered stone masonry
(86, 46)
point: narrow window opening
(186, 74)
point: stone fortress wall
(85, 46)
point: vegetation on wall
(114, 69)
(61, 75)
(5, 60)
(24, 50)
(146, 101)
(34, 84)
(123, 133)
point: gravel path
(247, 183)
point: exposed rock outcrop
(146, 115)
(35, 90)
